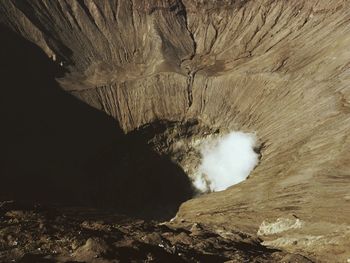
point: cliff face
(274, 67)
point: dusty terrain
(83, 79)
(39, 234)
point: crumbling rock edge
(39, 234)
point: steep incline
(276, 67)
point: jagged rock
(92, 249)
(64, 240)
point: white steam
(226, 161)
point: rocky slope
(38, 234)
(275, 67)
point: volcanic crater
(105, 105)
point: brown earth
(38, 234)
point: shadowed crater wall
(56, 149)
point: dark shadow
(56, 149)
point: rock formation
(172, 70)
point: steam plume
(226, 161)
